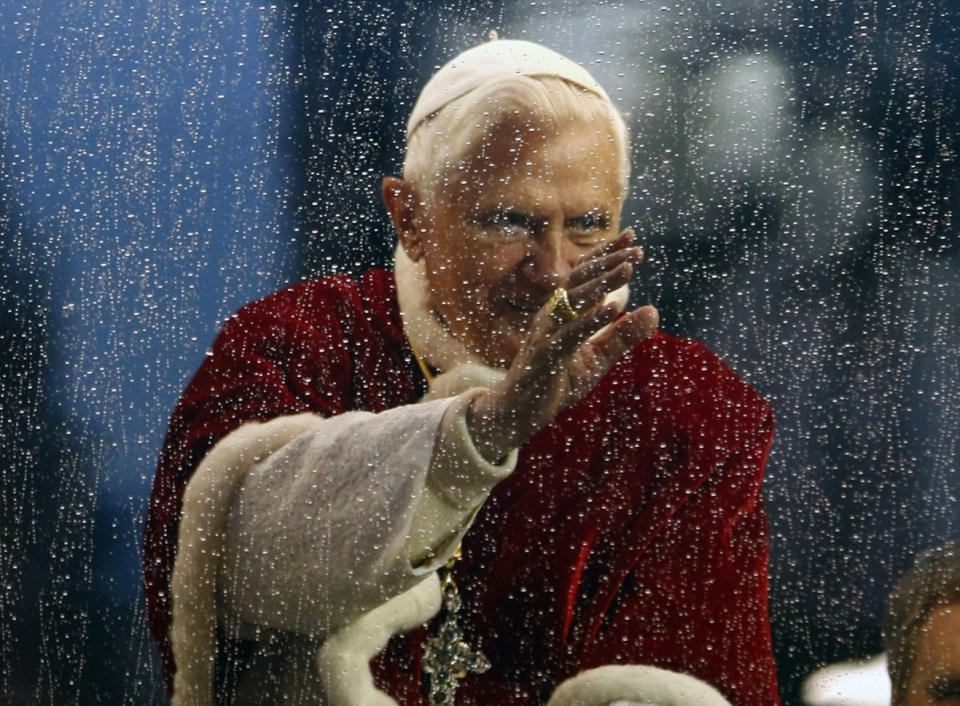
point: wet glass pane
(161, 163)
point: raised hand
(559, 363)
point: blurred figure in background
(922, 630)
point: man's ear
(403, 205)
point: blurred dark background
(161, 163)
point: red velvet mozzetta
(632, 530)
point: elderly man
(344, 438)
(922, 631)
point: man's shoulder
(682, 379)
(310, 346)
(335, 289)
(665, 356)
(335, 303)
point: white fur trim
(462, 378)
(344, 659)
(207, 500)
(635, 684)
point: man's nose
(549, 260)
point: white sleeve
(348, 514)
(458, 482)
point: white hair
(440, 146)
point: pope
(345, 440)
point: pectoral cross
(447, 658)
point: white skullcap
(496, 59)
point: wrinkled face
(532, 200)
(935, 677)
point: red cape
(631, 531)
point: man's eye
(509, 221)
(589, 221)
(588, 230)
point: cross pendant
(447, 658)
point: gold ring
(559, 306)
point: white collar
(460, 368)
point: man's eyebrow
(596, 210)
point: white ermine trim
(635, 684)
(344, 659)
(463, 378)
(207, 500)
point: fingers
(594, 290)
(625, 333)
(586, 361)
(570, 335)
(589, 269)
(621, 241)
(603, 270)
